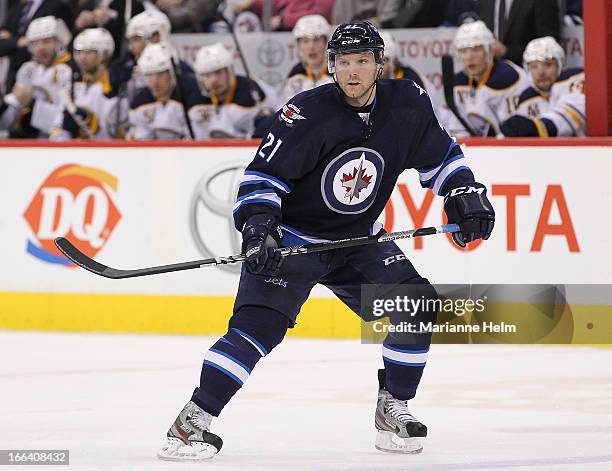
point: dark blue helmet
(355, 37)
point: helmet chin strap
(370, 88)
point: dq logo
(73, 202)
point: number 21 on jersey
(269, 142)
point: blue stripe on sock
(223, 370)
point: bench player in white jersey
(160, 110)
(230, 104)
(99, 109)
(488, 89)
(555, 104)
(148, 27)
(311, 33)
(33, 106)
(395, 69)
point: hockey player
(100, 113)
(148, 27)
(325, 171)
(395, 69)
(35, 103)
(160, 110)
(554, 105)
(311, 33)
(230, 103)
(488, 89)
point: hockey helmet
(95, 39)
(155, 58)
(311, 26)
(212, 58)
(49, 27)
(544, 48)
(390, 44)
(147, 23)
(355, 37)
(473, 34)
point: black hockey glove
(469, 207)
(519, 126)
(261, 237)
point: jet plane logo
(356, 181)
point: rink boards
(131, 206)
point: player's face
(43, 50)
(356, 74)
(475, 60)
(215, 83)
(544, 73)
(312, 51)
(136, 44)
(88, 61)
(161, 84)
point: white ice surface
(309, 406)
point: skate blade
(178, 451)
(391, 443)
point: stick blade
(82, 260)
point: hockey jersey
(487, 103)
(325, 171)
(103, 111)
(562, 113)
(156, 119)
(407, 72)
(301, 78)
(46, 83)
(234, 116)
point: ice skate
(397, 429)
(189, 438)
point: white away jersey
(301, 78)
(487, 104)
(562, 113)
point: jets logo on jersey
(290, 113)
(351, 180)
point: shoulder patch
(528, 93)
(568, 73)
(297, 69)
(461, 78)
(290, 114)
(144, 97)
(502, 76)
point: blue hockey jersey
(326, 170)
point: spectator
(36, 98)
(107, 14)
(190, 16)
(159, 111)
(394, 69)
(13, 43)
(311, 33)
(379, 13)
(419, 14)
(286, 13)
(487, 90)
(95, 112)
(554, 105)
(230, 104)
(516, 22)
(148, 27)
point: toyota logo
(212, 199)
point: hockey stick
(72, 111)
(448, 76)
(89, 264)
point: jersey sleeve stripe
(427, 173)
(252, 175)
(274, 200)
(448, 172)
(256, 192)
